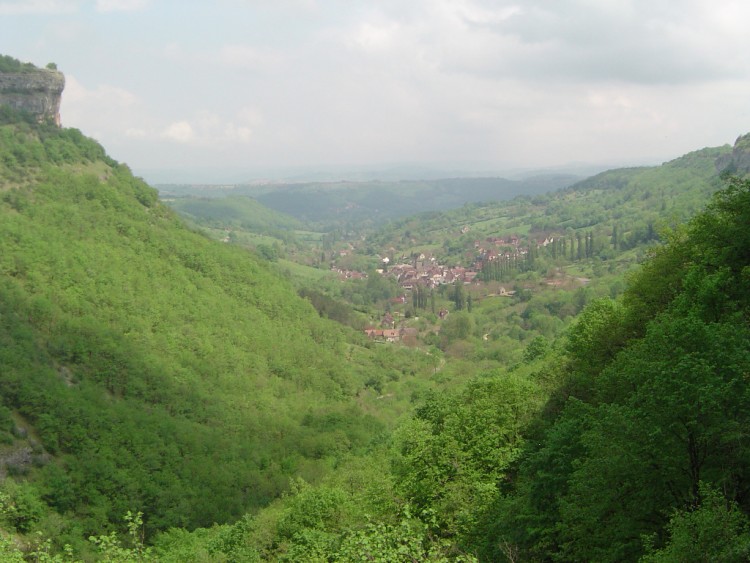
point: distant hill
(326, 203)
(631, 201)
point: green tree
(459, 297)
(458, 326)
(715, 530)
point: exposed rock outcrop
(738, 162)
(36, 91)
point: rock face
(36, 91)
(739, 161)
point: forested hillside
(145, 367)
(625, 441)
(234, 211)
(643, 450)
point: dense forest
(144, 366)
(166, 397)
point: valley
(544, 369)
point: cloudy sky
(254, 85)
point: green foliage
(241, 212)
(10, 64)
(354, 516)
(9, 552)
(458, 326)
(662, 377)
(20, 505)
(537, 348)
(309, 508)
(111, 549)
(146, 357)
(404, 542)
(177, 545)
(28, 150)
(333, 309)
(715, 530)
(597, 335)
(450, 459)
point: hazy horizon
(364, 173)
(468, 86)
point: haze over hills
(374, 201)
(323, 205)
(385, 173)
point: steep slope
(165, 372)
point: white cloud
(377, 37)
(208, 129)
(136, 133)
(104, 111)
(250, 116)
(77, 94)
(248, 57)
(180, 131)
(38, 7)
(242, 129)
(241, 134)
(120, 5)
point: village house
(374, 332)
(544, 241)
(392, 335)
(511, 240)
(406, 335)
(349, 274)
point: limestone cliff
(738, 162)
(36, 91)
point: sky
(201, 90)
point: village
(422, 271)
